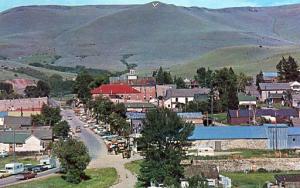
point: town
(212, 130)
(137, 94)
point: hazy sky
(6, 4)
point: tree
(204, 77)
(98, 81)
(180, 84)
(259, 78)
(197, 182)
(6, 87)
(61, 129)
(162, 77)
(50, 115)
(119, 124)
(243, 80)
(102, 107)
(74, 158)
(197, 106)
(81, 86)
(288, 69)
(41, 90)
(163, 137)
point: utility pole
(212, 107)
(14, 146)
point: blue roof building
(278, 136)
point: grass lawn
(221, 117)
(134, 166)
(19, 159)
(100, 178)
(251, 180)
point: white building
(176, 97)
(24, 142)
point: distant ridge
(168, 35)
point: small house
(287, 180)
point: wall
(31, 144)
(146, 91)
(234, 144)
(238, 165)
(265, 94)
(4, 147)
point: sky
(7, 4)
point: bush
(262, 170)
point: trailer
(48, 162)
(14, 168)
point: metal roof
(270, 74)
(186, 92)
(17, 121)
(139, 105)
(274, 86)
(7, 137)
(244, 97)
(294, 131)
(286, 112)
(229, 132)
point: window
(19, 145)
(176, 99)
(294, 139)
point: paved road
(100, 157)
(12, 179)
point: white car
(3, 154)
(86, 125)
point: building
(247, 101)
(287, 180)
(295, 86)
(246, 116)
(161, 90)
(23, 107)
(270, 77)
(17, 122)
(191, 117)
(209, 172)
(24, 142)
(118, 93)
(265, 89)
(136, 121)
(246, 137)
(296, 100)
(296, 122)
(176, 97)
(139, 107)
(276, 98)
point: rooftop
(139, 105)
(112, 89)
(274, 86)
(190, 115)
(8, 137)
(186, 92)
(10, 121)
(244, 97)
(22, 104)
(286, 112)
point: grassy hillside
(165, 35)
(248, 59)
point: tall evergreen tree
(163, 137)
(259, 78)
(288, 69)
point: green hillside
(248, 59)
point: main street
(99, 154)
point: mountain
(167, 35)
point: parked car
(69, 117)
(48, 162)
(28, 167)
(26, 175)
(39, 168)
(3, 154)
(4, 174)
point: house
(252, 91)
(176, 97)
(266, 89)
(191, 117)
(17, 122)
(287, 180)
(247, 101)
(246, 116)
(270, 77)
(295, 86)
(139, 107)
(209, 172)
(276, 98)
(24, 142)
(23, 107)
(296, 100)
(161, 90)
(268, 136)
(118, 93)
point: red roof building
(118, 92)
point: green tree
(197, 182)
(74, 158)
(61, 129)
(204, 77)
(180, 84)
(243, 80)
(81, 86)
(288, 69)
(50, 115)
(101, 107)
(119, 125)
(99, 80)
(162, 77)
(41, 90)
(6, 88)
(163, 136)
(197, 106)
(259, 78)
